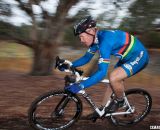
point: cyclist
(133, 57)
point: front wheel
(54, 110)
(140, 101)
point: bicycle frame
(90, 101)
(102, 112)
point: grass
(15, 57)
(17, 64)
(14, 50)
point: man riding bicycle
(133, 57)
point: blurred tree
(143, 15)
(20, 34)
(45, 32)
(143, 21)
(5, 29)
(5, 8)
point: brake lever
(58, 61)
(73, 69)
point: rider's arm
(105, 51)
(86, 58)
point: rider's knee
(113, 78)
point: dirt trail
(17, 91)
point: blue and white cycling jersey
(132, 54)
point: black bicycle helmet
(84, 24)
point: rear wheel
(140, 101)
(55, 110)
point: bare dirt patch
(18, 90)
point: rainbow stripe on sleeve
(102, 60)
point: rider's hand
(63, 66)
(74, 88)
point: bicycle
(57, 110)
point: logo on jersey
(129, 67)
(136, 61)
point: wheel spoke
(140, 101)
(54, 111)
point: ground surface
(18, 91)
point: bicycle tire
(57, 122)
(140, 93)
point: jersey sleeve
(86, 58)
(105, 49)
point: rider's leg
(127, 69)
(107, 95)
(116, 80)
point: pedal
(94, 119)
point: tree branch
(25, 7)
(44, 13)
(63, 8)
(23, 42)
(59, 19)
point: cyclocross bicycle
(57, 110)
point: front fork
(59, 110)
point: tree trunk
(43, 59)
